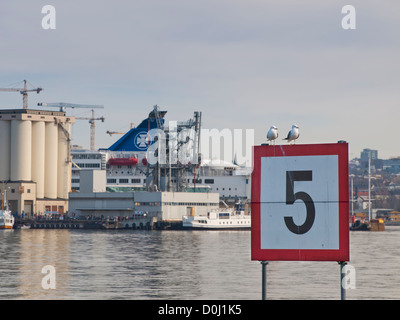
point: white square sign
(311, 221)
(300, 203)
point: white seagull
(293, 133)
(272, 133)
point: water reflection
(127, 264)
(22, 257)
(38, 248)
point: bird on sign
(293, 134)
(272, 134)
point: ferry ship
(128, 169)
(222, 219)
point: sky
(245, 64)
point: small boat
(110, 223)
(360, 225)
(23, 226)
(222, 219)
(377, 225)
(6, 217)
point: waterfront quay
(136, 222)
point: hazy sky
(245, 64)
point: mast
(2, 196)
(369, 186)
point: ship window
(123, 180)
(111, 180)
(91, 165)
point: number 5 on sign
(291, 197)
(300, 203)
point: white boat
(6, 217)
(222, 219)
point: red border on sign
(343, 253)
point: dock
(139, 223)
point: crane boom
(92, 119)
(114, 132)
(63, 105)
(24, 91)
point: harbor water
(182, 265)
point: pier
(135, 223)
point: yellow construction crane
(91, 119)
(24, 91)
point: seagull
(272, 133)
(293, 133)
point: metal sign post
(342, 276)
(264, 279)
(300, 204)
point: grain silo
(35, 161)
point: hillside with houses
(383, 176)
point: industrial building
(95, 203)
(36, 165)
(35, 161)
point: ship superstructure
(157, 157)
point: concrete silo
(50, 158)
(21, 150)
(35, 159)
(5, 149)
(38, 151)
